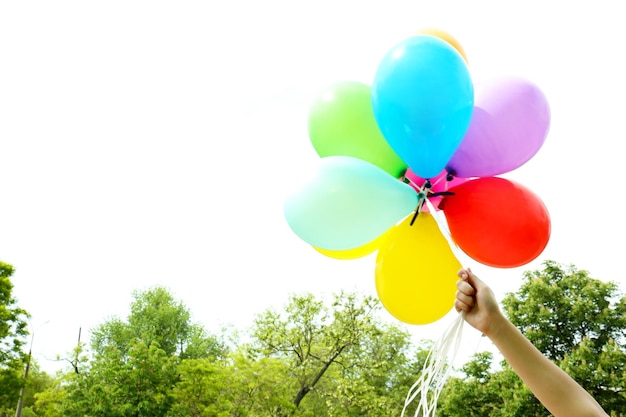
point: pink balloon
(441, 183)
(509, 125)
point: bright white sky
(153, 143)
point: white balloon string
(437, 182)
(438, 364)
(435, 371)
(443, 226)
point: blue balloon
(423, 98)
(347, 203)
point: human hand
(477, 300)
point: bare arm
(556, 390)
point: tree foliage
(558, 307)
(134, 363)
(137, 382)
(342, 359)
(13, 330)
(335, 359)
(155, 316)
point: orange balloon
(497, 222)
(446, 37)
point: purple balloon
(509, 125)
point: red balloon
(497, 222)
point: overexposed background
(153, 143)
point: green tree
(342, 359)
(134, 383)
(156, 316)
(237, 386)
(604, 374)
(378, 380)
(201, 390)
(558, 307)
(349, 362)
(49, 400)
(52, 401)
(37, 382)
(134, 363)
(579, 322)
(13, 330)
(483, 392)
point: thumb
(468, 276)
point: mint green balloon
(347, 203)
(342, 123)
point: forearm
(556, 390)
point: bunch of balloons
(423, 132)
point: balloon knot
(440, 193)
(418, 210)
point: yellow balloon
(446, 37)
(416, 271)
(354, 253)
